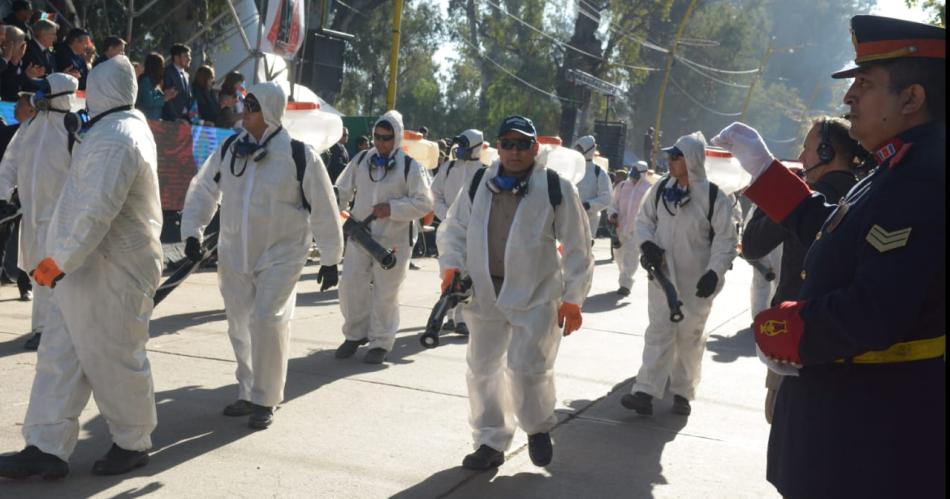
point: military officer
(865, 415)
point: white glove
(775, 366)
(745, 143)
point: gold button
(818, 236)
(803, 275)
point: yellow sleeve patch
(884, 241)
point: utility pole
(394, 57)
(666, 76)
(758, 76)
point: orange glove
(569, 317)
(428, 218)
(344, 215)
(448, 276)
(47, 273)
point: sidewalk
(351, 430)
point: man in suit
(38, 60)
(176, 76)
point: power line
(695, 101)
(711, 77)
(717, 70)
(513, 75)
(645, 43)
(542, 33)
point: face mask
(508, 183)
(676, 195)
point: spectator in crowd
(138, 68)
(176, 76)
(38, 61)
(424, 131)
(12, 50)
(230, 100)
(362, 143)
(204, 95)
(337, 157)
(70, 56)
(111, 47)
(151, 98)
(20, 13)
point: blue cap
(519, 124)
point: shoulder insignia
(884, 241)
(899, 156)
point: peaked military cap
(879, 38)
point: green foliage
(936, 9)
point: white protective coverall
(37, 162)
(263, 244)
(762, 290)
(104, 235)
(448, 182)
(627, 198)
(520, 324)
(594, 187)
(372, 311)
(674, 351)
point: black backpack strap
(405, 173)
(554, 188)
(224, 150)
(597, 170)
(476, 180)
(713, 194)
(449, 169)
(359, 158)
(299, 153)
(659, 192)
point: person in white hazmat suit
(386, 183)
(104, 257)
(622, 212)
(693, 243)
(762, 290)
(37, 162)
(594, 187)
(505, 237)
(266, 230)
(446, 186)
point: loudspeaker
(611, 141)
(322, 67)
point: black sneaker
(239, 408)
(375, 355)
(449, 325)
(540, 449)
(33, 343)
(118, 461)
(623, 291)
(261, 417)
(26, 295)
(413, 266)
(461, 328)
(640, 402)
(32, 461)
(681, 406)
(348, 348)
(485, 458)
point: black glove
(6, 209)
(329, 276)
(707, 284)
(652, 253)
(586, 206)
(193, 250)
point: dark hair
(112, 41)
(424, 130)
(154, 68)
(18, 5)
(363, 140)
(385, 125)
(75, 34)
(928, 73)
(839, 135)
(204, 77)
(230, 83)
(178, 49)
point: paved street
(350, 430)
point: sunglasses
(521, 145)
(383, 138)
(250, 102)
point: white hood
(587, 146)
(62, 83)
(693, 147)
(394, 118)
(111, 84)
(273, 102)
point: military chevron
(885, 241)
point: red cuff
(778, 331)
(778, 191)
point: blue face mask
(634, 174)
(506, 182)
(676, 195)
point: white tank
(307, 123)
(489, 155)
(568, 163)
(724, 170)
(602, 162)
(425, 152)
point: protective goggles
(383, 138)
(521, 145)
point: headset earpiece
(826, 151)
